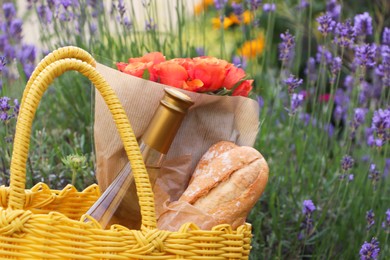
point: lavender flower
(4, 108)
(16, 108)
(3, 62)
(296, 102)
(347, 163)
(383, 69)
(326, 24)
(44, 14)
(15, 29)
(344, 34)
(292, 83)
(310, 69)
(335, 68)
(363, 24)
(359, 117)
(269, 7)
(333, 9)
(386, 36)
(365, 55)
(260, 101)
(323, 55)
(121, 8)
(238, 9)
(150, 25)
(303, 4)
(220, 4)
(370, 215)
(386, 223)
(200, 51)
(308, 208)
(254, 4)
(381, 124)
(9, 11)
(370, 250)
(374, 174)
(341, 101)
(239, 62)
(286, 46)
(349, 82)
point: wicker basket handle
(32, 95)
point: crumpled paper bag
(211, 119)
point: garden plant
(321, 73)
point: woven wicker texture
(48, 224)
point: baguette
(227, 182)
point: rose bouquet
(200, 74)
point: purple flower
(370, 218)
(9, 11)
(365, 55)
(386, 223)
(45, 14)
(260, 101)
(326, 24)
(323, 55)
(363, 24)
(310, 69)
(16, 107)
(333, 9)
(351, 177)
(4, 107)
(386, 36)
(374, 174)
(292, 83)
(296, 102)
(381, 124)
(344, 34)
(238, 9)
(269, 7)
(383, 69)
(341, 100)
(239, 62)
(286, 46)
(15, 29)
(370, 250)
(66, 3)
(121, 8)
(3, 62)
(308, 207)
(220, 4)
(335, 67)
(359, 116)
(347, 162)
(349, 82)
(150, 25)
(303, 4)
(254, 4)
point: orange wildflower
(199, 8)
(253, 48)
(227, 22)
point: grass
(304, 159)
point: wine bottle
(119, 202)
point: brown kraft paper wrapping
(211, 119)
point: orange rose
(243, 89)
(153, 57)
(136, 68)
(171, 73)
(211, 71)
(234, 75)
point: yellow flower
(253, 48)
(227, 22)
(199, 8)
(247, 17)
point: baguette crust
(228, 185)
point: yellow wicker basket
(49, 224)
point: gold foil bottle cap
(166, 120)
